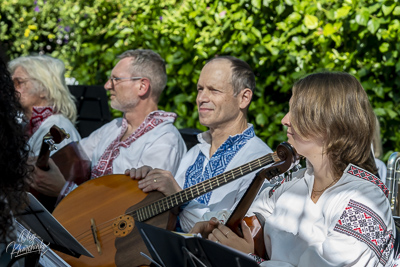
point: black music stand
(37, 219)
(169, 249)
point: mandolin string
(105, 228)
(211, 184)
(100, 228)
(208, 185)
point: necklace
(319, 191)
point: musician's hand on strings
(205, 228)
(48, 182)
(159, 180)
(224, 235)
(138, 173)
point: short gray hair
(242, 74)
(149, 64)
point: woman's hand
(205, 228)
(224, 235)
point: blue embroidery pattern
(218, 162)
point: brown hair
(334, 106)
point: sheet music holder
(37, 219)
(169, 249)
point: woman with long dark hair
(13, 156)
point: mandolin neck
(190, 193)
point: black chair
(189, 135)
(92, 105)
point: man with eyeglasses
(144, 135)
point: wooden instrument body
(110, 197)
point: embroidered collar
(205, 140)
(39, 115)
(155, 118)
(152, 120)
(361, 173)
(218, 162)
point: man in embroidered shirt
(225, 89)
(145, 135)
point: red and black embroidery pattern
(39, 115)
(365, 225)
(104, 165)
(354, 170)
(276, 186)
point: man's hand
(48, 182)
(154, 179)
(139, 173)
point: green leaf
(256, 3)
(261, 119)
(374, 7)
(311, 21)
(387, 9)
(396, 11)
(373, 25)
(280, 8)
(328, 29)
(391, 113)
(384, 47)
(342, 12)
(362, 17)
(293, 17)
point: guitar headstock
(288, 159)
(55, 136)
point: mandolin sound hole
(123, 225)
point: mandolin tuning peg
(51, 144)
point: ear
(245, 98)
(144, 87)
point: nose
(108, 85)
(286, 120)
(202, 96)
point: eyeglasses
(19, 81)
(117, 79)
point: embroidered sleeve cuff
(258, 259)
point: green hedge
(281, 39)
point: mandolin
(290, 159)
(55, 136)
(100, 215)
(72, 161)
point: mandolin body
(105, 199)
